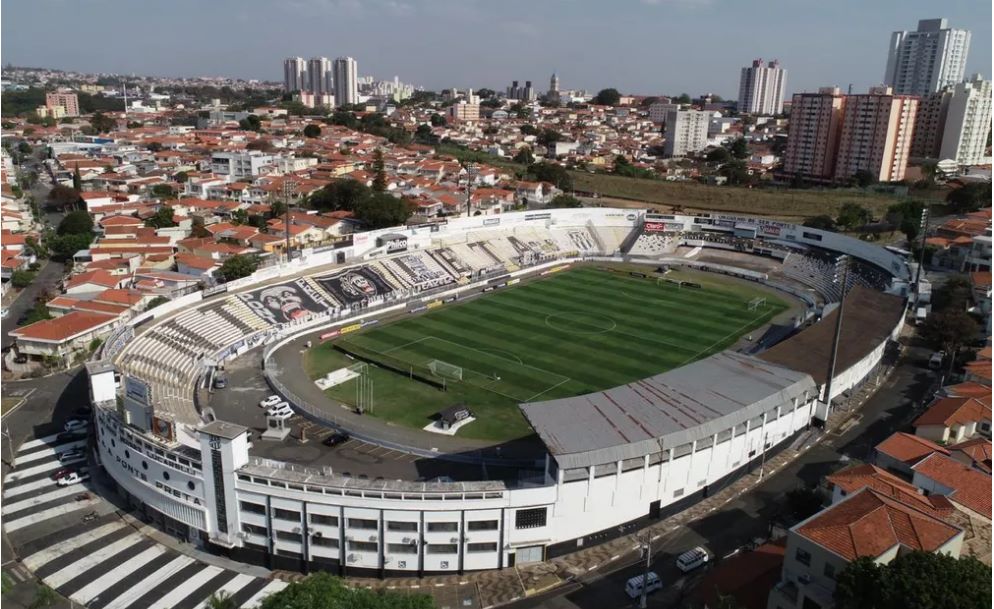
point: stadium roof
(664, 411)
(870, 317)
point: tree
(553, 173)
(63, 197)
(736, 172)
(921, 580)
(221, 600)
(75, 223)
(163, 218)
(158, 300)
(852, 216)
(907, 217)
(66, 246)
(24, 148)
(325, 591)
(524, 156)
(949, 330)
(379, 172)
(21, 278)
(955, 294)
(437, 120)
(548, 136)
(423, 134)
(277, 209)
(739, 149)
(339, 195)
(102, 123)
(77, 180)
(312, 130)
(607, 97)
(683, 98)
(718, 156)
(381, 211)
(163, 191)
(181, 177)
(969, 198)
(824, 222)
(238, 266)
(564, 200)
(864, 178)
(250, 123)
(529, 129)
(239, 217)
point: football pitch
(571, 333)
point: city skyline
(550, 39)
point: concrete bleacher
(654, 244)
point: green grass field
(574, 332)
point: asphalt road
(750, 516)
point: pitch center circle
(574, 322)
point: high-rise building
(929, 123)
(294, 74)
(928, 59)
(877, 128)
(686, 132)
(61, 99)
(526, 93)
(319, 76)
(346, 81)
(464, 111)
(813, 140)
(761, 88)
(554, 86)
(968, 122)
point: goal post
(757, 303)
(445, 370)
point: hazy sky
(637, 46)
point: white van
(633, 587)
(691, 559)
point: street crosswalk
(76, 543)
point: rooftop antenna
(125, 101)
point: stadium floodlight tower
(288, 188)
(836, 338)
(471, 172)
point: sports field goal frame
(445, 370)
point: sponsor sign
(555, 269)
(770, 230)
(728, 223)
(491, 221)
(164, 428)
(350, 328)
(544, 216)
(489, 288)
(355, 285)
(433, 304)
(673, 226)
(654, 227)
(215, 290)
(514, 281)
(286, 302)
(449, 299)
(659, 217)
(630, 217)
(417, 309)
(137, 390)
(331, 334)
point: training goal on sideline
(757, 303)
(445, 370)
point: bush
(21, 279)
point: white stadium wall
(336, 523)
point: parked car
(270, 401)
(281, 410)
(65, 471)
(75, 425)
(220, 380)
(69, 436)
(71, 455)
(72, 478)
(691, 559)
(83, 411)
(339, 437)
(935, 362)
(652, 583)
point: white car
(270, 401)
(280, 411)
(75, 425)
(72, 478)
(71, 455)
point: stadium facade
(615, 460)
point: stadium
(483, 392)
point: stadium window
(402, 548)
(442, 548)
(724, 436)
(363, 546)
(812, 236)
(803, 557)
(252, 508)
(290, 515)
(531, 518)
(705, 443)
(678, 493)
(608, 469)
(253, 529)
(740, 430)
(324, 542)
(443, 527)
(288, 536)
(331, 521)
(361, 523)
(630, 464)
(771, 415)
(481, 547)
(683, 450)
(407, 527)
(482, 525)
(655, 458)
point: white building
(928, 59)
(968, 122)
(658, 111)
(240, 165)
(319, 76)
(761, 88)
(346, 81)
(686, 132)
(294, 74)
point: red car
(62, 472)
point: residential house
(951, 420)
(901, 451)
(66, 338)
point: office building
(967, 122)
(346, 81)
(877, 128)
(319, 76)
(294, 74)
(761, 88)
(525, 93)
(686, 132)
(659, 109)
(61, 99)
(927, 60)
(815, 127)
(465, 111)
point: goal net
(757, 303)
(445, 369)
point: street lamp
(471, 172)
(288, 188)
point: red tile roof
(954, 411)
(870, 523)
(746, 577)
(63, 328)
(971, 488)
(97, 277)
(908, 448)
(852, 479)
(976, 450)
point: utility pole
(836, 338)
(645, 544)
(288, 188)
(926, 216)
